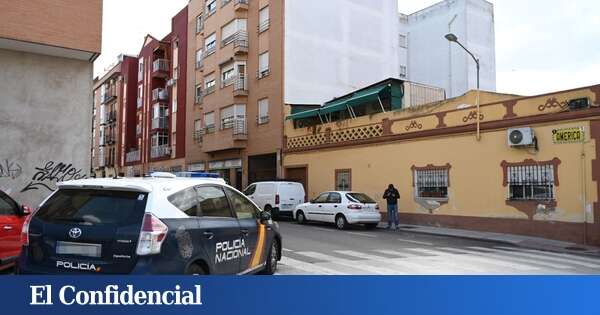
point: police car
(162, 224)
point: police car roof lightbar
(198, 175)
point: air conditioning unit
(521, 137)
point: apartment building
(250, 57)
(427, 57)
(46, 54)
(114, 99)
(155, 127)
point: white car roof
(143, 184)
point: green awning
(305, 114)
(358, 98)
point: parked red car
(12, 218)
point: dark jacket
(391, 195)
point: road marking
(508, 256)
(287, 250)
(323, 229)
(362, 234)
(566, 258)
(452, 253)
(395, 253)
(361, 266)
(415, 242)
(308, 267)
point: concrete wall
(45, 123)
(333, 47)
(435, 61)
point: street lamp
(453, 38)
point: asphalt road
(320, 249)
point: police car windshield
(93, 207)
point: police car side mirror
(265, 216)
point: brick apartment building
(140, 108)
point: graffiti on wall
(10, 169)
(52, 173)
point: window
(263, 65)
(360, 197)
(211, 7)
(199, 94)
(7, 207)
(250, 190)
(227, 75)
(209, 84)
(212, 202)
(263, 19)
(322, 198)
(199, 23)
(199, 59)
(403, 71)
(160, 139)
(186, 201)
(243, 208)
(197, 125)
(209, 121)
(431, 182)
(231, 29)
(263, 111)
(343, 180)
(334, 198)
(402, 41)
(227, 114)
(210, 44)
(531, 182)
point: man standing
(392, 195)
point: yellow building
(539, 180)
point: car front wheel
(272, 259)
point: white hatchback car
(340, 207)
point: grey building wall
(45, 123)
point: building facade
(154, 128)
(46, 55)
(540, 181)
(427, 57)
(114, 97)
(250, 57)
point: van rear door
(87, 231)
(290, 195)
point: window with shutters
(263, 65)
(210, 44)
(263, 111)
(211, 7)
(431, 181)
(209, 122)
(263, 19)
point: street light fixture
(454, 39)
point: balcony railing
(160, 123)
(140, 102)
(240, 4)
(209, 129)
(240, 42)
(160, 151)
(132, 156)
(160, 65)
(237, 124)
(198, 136)
(264, 26)
(160, 95)
(108, 97)
(227, 82)
(224, 2)
(209, 51)
(209, 90)
(200, 63)
(199, 24)
(200, 98)
(241, 84)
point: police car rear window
(94, 207)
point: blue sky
(541, 46)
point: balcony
(160, 95)
(109, 97)
(160, 123)
(197, 135)
(240, 5)
(111, 117)
(140, 103)
(240, 86)
(160, 68)
(200, 63)
(133, 156)
(240, 43)
(161, 151)
(233, 135)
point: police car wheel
(195, 270)
(272, 259)
(340, 222)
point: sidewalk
(511, 239)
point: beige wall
(72, 24)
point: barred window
(431, 183)
(531, 182)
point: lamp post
(452, 38)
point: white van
(276, 197)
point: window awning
(358, 98)
(305, 114)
